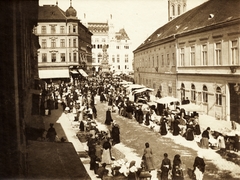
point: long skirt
(106, 157)
(149, 163)
(204, 143)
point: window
(192, 56)
(61, 29)
(168, 60)
(62, 43)
(74, 57)
(173, 10)
(53, 57)
(126, 47)
(173, 59)
(234, 53)
(74, 43)
(182, 60)
(69, 29)
(218, 58)
(99, 58)
(74, 28)
(117, 47)
(103, 40)
(204, 54)
(119, 67)
(44, 43)
(44, 57)
(118, 58)
(193, 93)
(96, 40)
(162, 60)
(44, 30)
(53, 29)
(182, 91)
(113, 58)
(70, 57)
(126, 67)
(153, 63)
(179, 9)
(53, 43)
(69, 43)
(157, 61)
(218, 96)
(62, 57)
(205, 94)
(126, 58)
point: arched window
(218, 96)
(182, 91)
(205, 94)
(173, 10)
(179, 9)
(193, 92)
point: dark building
(18, 74)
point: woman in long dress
(106, 154)
(177, 172)
(148, 157)
(163, 129)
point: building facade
(65, 43)
(19, 86)
(203, 58)
(119, 52)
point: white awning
(191, 107)
(83, 73)
(166, 100)
(142, 90)
(74, 72)
(51, 74)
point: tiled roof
(98, 27)
(51, 13)
(210, 13)
(122, 35)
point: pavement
(66, 127)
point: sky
(140, 18)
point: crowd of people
(80, 100)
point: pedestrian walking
(109, 119)
(165, 167)
(148, 157)
(177, 172)
(199, 166)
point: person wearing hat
(199, 166)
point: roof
(51, 13)
(98, 27)
(122, 35)
(210, 13)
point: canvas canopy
(166, 100)
(191, 107)
(142, 90)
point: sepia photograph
(120, 90)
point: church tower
(176, 8)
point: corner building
(196, 55)
(65, 44)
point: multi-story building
(196, 55)
(65, 43)
(119, 52)
(19, 84)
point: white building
(119, 52)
